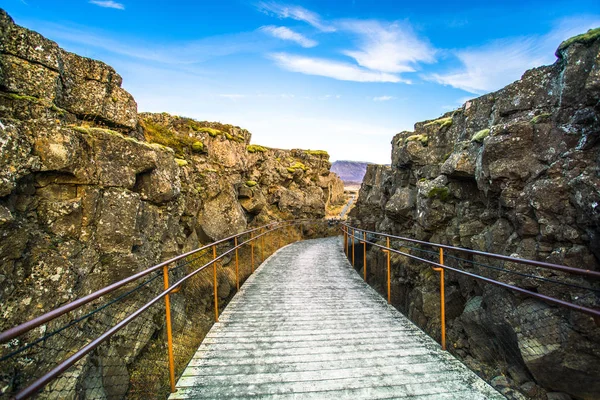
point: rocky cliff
(514, 172)
(91, 191)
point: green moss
(441, 193)
(87, 130)
(180, 162)
(297, 165)
(545, 117)
(441, 122)
(198, 147)
(32, 99)
(290, 170)
(228, 136)
(254, 148)
(479, 136)
(210, 170)
(584, 38)
(212, 132)
(251, 183)
(423, 180)
(418, 138)
(319, 153)
(156, 133)
(57, 109)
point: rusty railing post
(169, 330)
(442, 300)
(365, 255)
(237, 265)
(262, 247)
(345, 241)
(389, 272)
(252, 251)
(215, 283)
(353, 238)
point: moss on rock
(479, 136)
(198, 147)
(584, 38)
(441, 122)
(251, 183)
(438, 192)
(538, 119)
(254, 148)
(424, 139)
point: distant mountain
(350, 171)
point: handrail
(39, 383)
(563, 268)
(57, 312)
(590, 311)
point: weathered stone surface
(31, 65)
(513, 172)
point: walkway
(347, 206)
(305, 326)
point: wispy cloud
(498, 63)
(385, 47)
(175, 54)
(383, 98)
(281, 32)
(295, 12)
(108, 4)
(331, 69)
(233, 96)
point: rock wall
(513, 172)
(91, 191)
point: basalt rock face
(514, 172)
(91, 191)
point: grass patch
(251, 183)
(584, 38)
(254, 148)
(479, 136)
(156, 133)
(538, 119)
(441, 122)
(418, 138)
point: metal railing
(253, 235)
(353, 235)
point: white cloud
(498, 63)
(383, 98)
(284, 33)
(393, 48)
(297, 13)
(331, 69)
(108, 4)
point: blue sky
(343, 76)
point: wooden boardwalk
(306, 326)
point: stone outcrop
(514, 172)
(91, 191)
